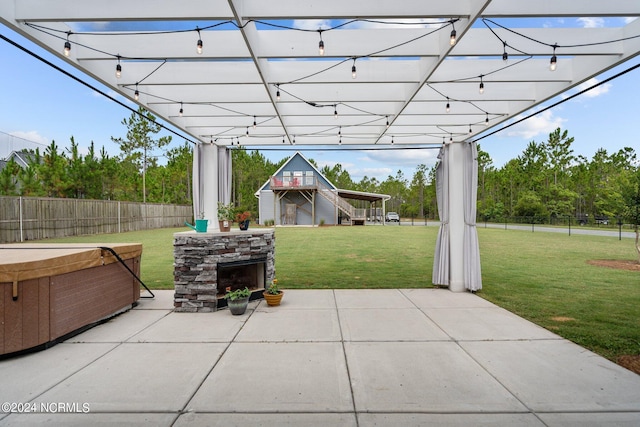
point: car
(392, 217)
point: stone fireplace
(205, 264)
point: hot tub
(49, 292)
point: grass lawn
(543, 277)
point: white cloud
(543, 123)
(402, 158)
(591, 22)
(312, 24)
(597, 91)
(32, 136)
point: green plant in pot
(225, 216)
(273, 294)
(237, 300)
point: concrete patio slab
(121, 328)
(375, 298)
(423, 377)
(25, 377)
(291, 325)
(162, 300)
(406, 357)
(298, 299)
(141, 377)
(388, 324)
(106, 419)
(449, 420)
(183, 327)
(444, 298)
(558, 376)
(266, 420)
(493, 323)
(277, 377)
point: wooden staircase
(346, 207)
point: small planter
(273, 299)
(238, 306)
(225, 225)
(244, 225)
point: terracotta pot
(225, 225)
(238, 306)
(273, 300)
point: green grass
(543, 277)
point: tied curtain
(472, 271)
(440, 274)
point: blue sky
(41, 104)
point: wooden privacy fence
(34, 218)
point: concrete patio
(324, 357)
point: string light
(118, 68)
(505, 55)
(486, 121)
(321, 44)
(294, 140)
(136, 94)
(353, 69)
(387, 122)
(554, 60)
(452, 38)
(450, 137)
(470, 131)
(277, 93)
(254, 122)
(181, 110)
(247, 130)
(67, 45)
(448, 107)
(199, 43)
(335, 111)
(283, 139)
(481, 85)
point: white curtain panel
(440, 274)
(471, 263)
(224, 175)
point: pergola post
(209, 177)
(456, 217)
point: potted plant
(237, 300)
(243, 219)
(225, 216)
(273, 294)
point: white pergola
(412, 85)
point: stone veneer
(196, 257)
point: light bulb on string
(452, 37)
(387, 122)
(353, 69)
(486, 121)
(481, 85)
(67, 45)
(294, 140)
(199, 44)
(335, 112)
(118, 68)
(247, 130)
(136, 94)
(554, 60)
(254, 122)
(321, 44)
(277, 93)
(505, 55)
(181, 110)
(448, 107)
(470, 131)
(391, 139)
(283, 139)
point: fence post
(20, 213)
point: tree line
(546, 181)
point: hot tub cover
(25, 261)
